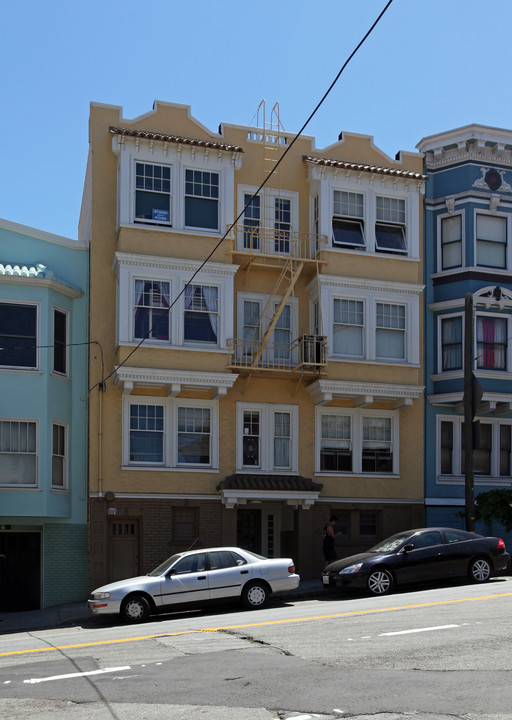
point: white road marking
(32, 681)
(418, 630)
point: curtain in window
(492, 343)
(201, 313)
(152, 309)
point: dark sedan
(421, 555)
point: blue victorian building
(468, 250)
(43, 418)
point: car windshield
(163, 567)
(390, 543)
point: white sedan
(197, 578)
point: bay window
(153, 193)
(492, 457)
(60, 341)
(348, 327)
(451, 242)
(491, 241)
(59, 469)
(491, 342)
(390, 331)
(18, 453)
(18, 335)
(451, 343)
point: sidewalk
(78, 613)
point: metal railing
(308, 352)
(267, 241)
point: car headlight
(351, 569)
(100, 596)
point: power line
(241, 213)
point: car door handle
(201, 577)
(244, 572)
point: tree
(495, 505)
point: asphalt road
(431, 653)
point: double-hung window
(390, 331)
(282, 225)
(390, 225)
(251, 328)
(491, 459)
(59, 456)
(491, 342)
(491, 241)
(146, 434)
(377, 445)
(60, 346)
(18, 453)
(348, 327)
(252, 222)
(151, 310)
(348, 220)
(451, 242)
(267, 437)
(356, 441)
(451, 343)
(336, 443)
(201, 320)
(202, 199)
(194, 435)
(153, 193)
(18, 335)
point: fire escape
(265, 240)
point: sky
(429, 66)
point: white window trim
(372, 293)
(138, 267)
(508, 243)
(357, 416)
(66, 374)
(25, 368)
(65, 472)
(440, 318)
(366, 187)
(439, 221)
(35, 484)
(178, 158)
(267, 411)
(456, 478)
(170, 432)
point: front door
(20, 571)
(123, 549)
(248, 529)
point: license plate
(325, 579)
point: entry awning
(240, 488)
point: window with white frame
(348, 220)
(158, 304)
(390, 331)
(60, 341)
(278, 351)
(390, 225)
(153, 193)
(451, 242)
(491, 342)
(491, 459)
(18, 335)
(170, 433)
(252, 222)
(267, 437)
(59, 456)
(451, 343)
(356, 441)
(201, 199)
(348, 327)
(151, 318)
(201, 316)
(269, 220)
(491, 241)
(282, 225)
(18, 453)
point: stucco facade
(468, 216)
(249, 383)
(43, 418)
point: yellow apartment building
(256, 359)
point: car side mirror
(408, 547)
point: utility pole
(469, 413)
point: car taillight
(291, 568)
(500, 545)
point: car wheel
(135, 609)
(255, 595)
(380, 582)
(480, 570)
